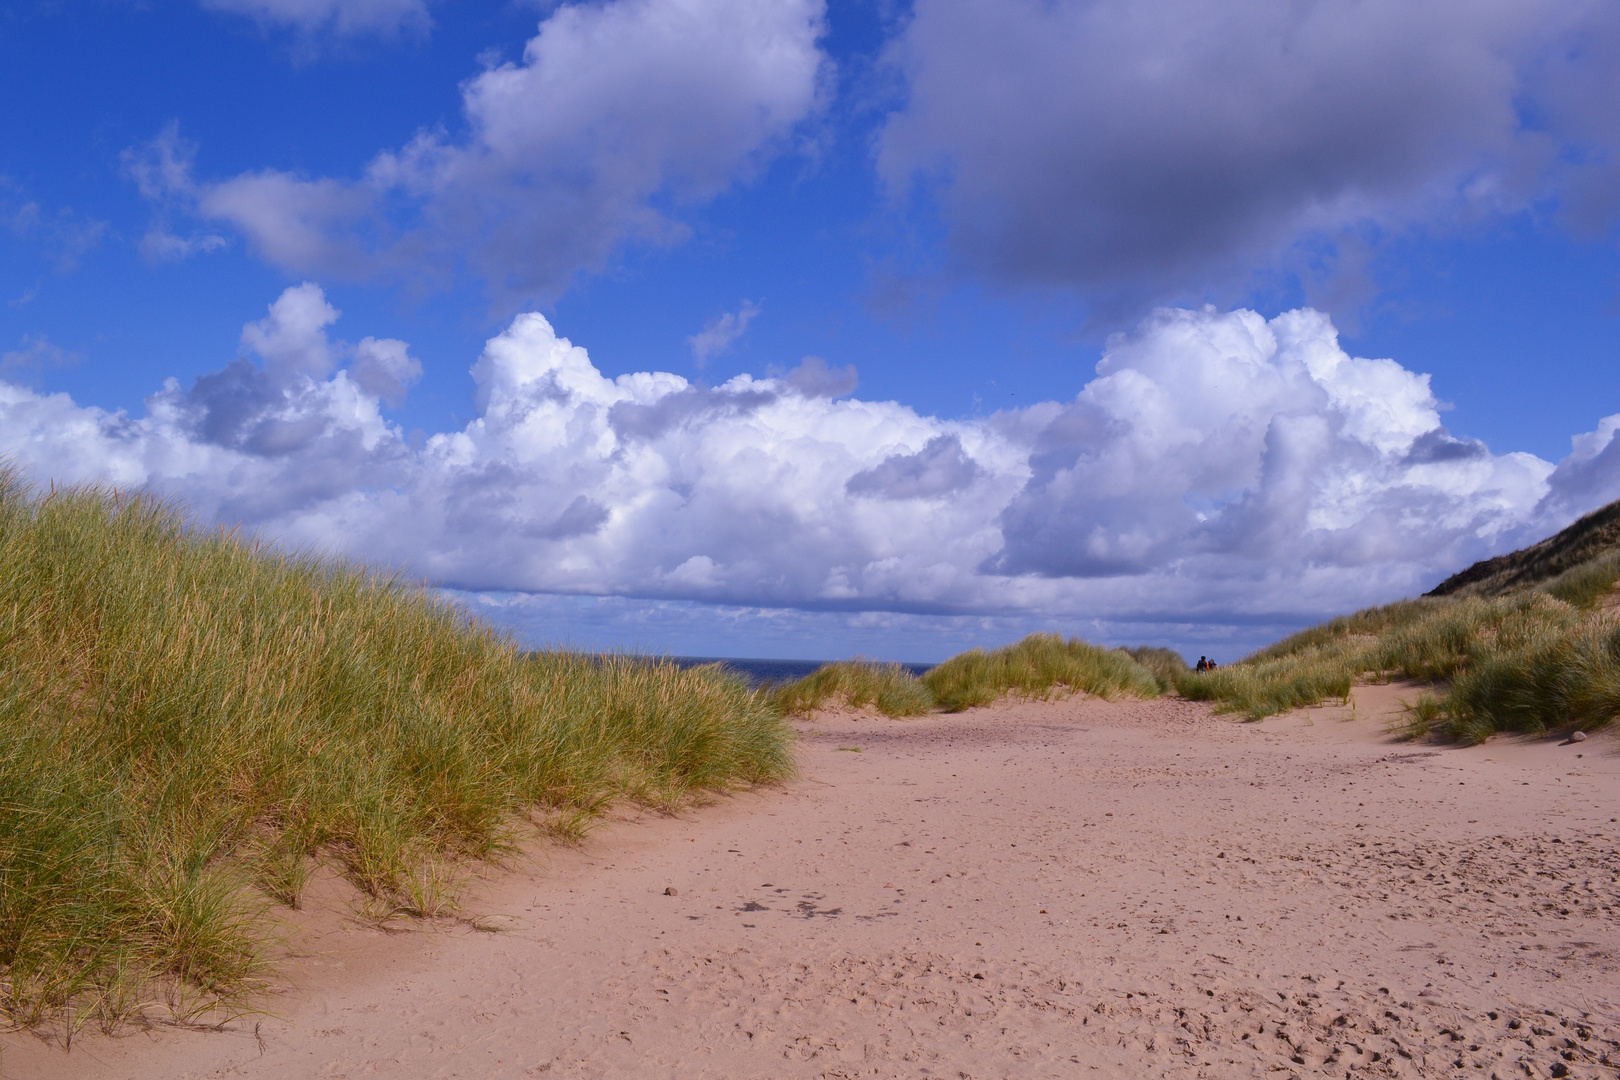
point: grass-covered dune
(1040, 666)
(1525, 642)
(188, 721)
(1526, 662)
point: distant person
(1212, 665)
(1203, 664)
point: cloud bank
(1219, 466)
(1146, 148)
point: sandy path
(1069, 889)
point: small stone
(1579, 736)
(672, 891)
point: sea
(773, 671)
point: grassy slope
(1595, 536)
(187, 720)
(1529, 643)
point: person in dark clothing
(1203, 665)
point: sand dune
(1077, 888)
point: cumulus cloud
(333, 17)
(1590, 475)
(1219, 466)
(1236, 441)
(161, 167)
(940, 467)
(614, 107)
(385, 369)
(720, 332)
(292, 338)
(814, 377)
(1146, 148)
(259, 437)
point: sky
(816, 328)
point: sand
(1074, 888)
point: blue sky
(959, 319)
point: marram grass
(188, 720)
(1040, 666)
(1528, 662)
(889, 688)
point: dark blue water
(776, 671)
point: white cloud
(1149, 148)
(1227, 441)
(614, 106)
(1590, 475)
(1219, 468)
(292, 338)
(160, 246)
(161, 170)
(384, 368)
(337, 17)
(940, 467)
(720, 332)
(297, 224)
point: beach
(1034, 889)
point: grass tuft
(1040, 666)
(188, 719)
(1264, 688)
(1166, 665)
(1423, 717)
(890, 688)
(1561, 677)
(1588, 585)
